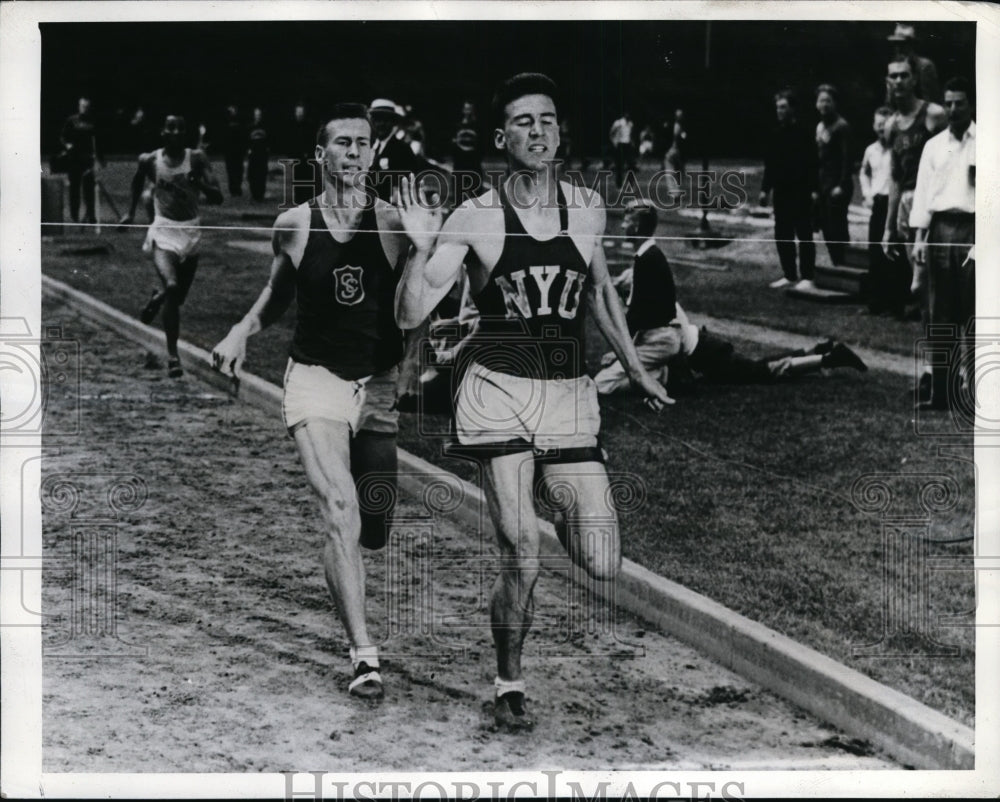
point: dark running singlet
(345, 293)
(532, 307)
(906, 149)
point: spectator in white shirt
(943, 215)
(888, 286)
(621, 145)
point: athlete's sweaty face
(174, 130)
(530, 135)
(348, 149)
(900, 79)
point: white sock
(367, 654)
(506, 686)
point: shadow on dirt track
(229, 656)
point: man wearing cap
(903, 41)
(392, 157)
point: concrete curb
(911, 732)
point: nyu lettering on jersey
(345, 293)
(532, 307)
(175, 194)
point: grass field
(748, 490)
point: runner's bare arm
(610, 318)
(143, 171)
(889, 234)
(937, 118)
(392, 235)
(427, 278)
(274, 299)
(203, 175)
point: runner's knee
(519, 548)
(603, 564)
(341, 514)
(598, 550)
(183, 286)
(520, 572)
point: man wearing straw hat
(392, 157)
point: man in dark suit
(300, 144)
(79, 143)
(790, 169)
(392, 156)
(234, 148)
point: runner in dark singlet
(340, 256)
(345, 293)
(906, 131)
(533, 253)
(913, 123)
(532, 307)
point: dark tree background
(602, 67)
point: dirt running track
(245, 666)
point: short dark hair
(645, 215)
(961, 84)
(911, 62)
(342, 111)
(789, 95)
(883, 111)
(830, 89)
(524, 83)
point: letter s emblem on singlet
(348, 286)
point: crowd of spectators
(920, 198)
